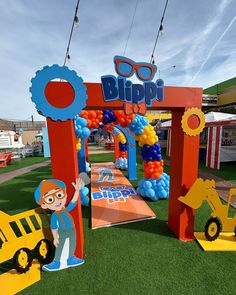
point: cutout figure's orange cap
(45, 186)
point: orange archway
(184, 151)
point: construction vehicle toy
(25, 236)
(204, 190)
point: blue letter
(121, 88)
(110, 91)
(97, 195)
(125, 193)
(160, 89)
(150, 92)
(116, 195)
(137, 93)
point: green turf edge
(21, 163)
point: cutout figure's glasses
(49, 199)
(126, 67)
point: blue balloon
(121, 163)
(150, 193)
(80, 127)
(123, 147)
(88, 169)
(84, 191)
(142, 192)
(84, 195)
(147, 184)
(85, 132)
(108, 117)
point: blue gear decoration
(39, 83)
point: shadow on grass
(153, 226)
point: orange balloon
(132, 117)
(92, 114)
(119, 113)
(89, 123)
(155, 175)
(146, 175)
(121, 120)
(94, 125)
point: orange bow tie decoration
(134, 108)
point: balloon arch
(155, 184)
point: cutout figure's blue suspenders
(62, 220)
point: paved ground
(222, 186)
(98, 150)
(9, 175)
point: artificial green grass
(137, 258)
(22, 163)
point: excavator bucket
(197, 193)
(193, 202)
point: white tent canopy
(210, 118)
(221, 143)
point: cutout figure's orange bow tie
(134, 108)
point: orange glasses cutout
(50, 199)
(126, 67)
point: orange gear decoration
(185, 126)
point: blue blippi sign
(113, 192)
(118, 88)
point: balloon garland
(78, 144)
(121, 162)
(155, 184)
(81, 127)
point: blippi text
(113, 194)
(124, 90)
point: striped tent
(214, 122)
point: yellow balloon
(140, 144)
(151, 141)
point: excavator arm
(198, 192)
(232, 193)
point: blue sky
(199, 38)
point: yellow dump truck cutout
(25, 236)
(204, 190)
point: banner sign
(113, 192)
(114, 199)
(118, 88)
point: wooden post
(62, 142)
(183, 173)
(116, 146)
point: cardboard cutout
(51, 194)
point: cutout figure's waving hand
(78, 184)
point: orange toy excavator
(204, 190)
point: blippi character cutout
(51, 194)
